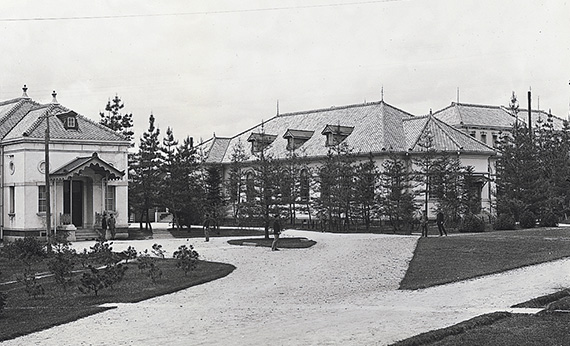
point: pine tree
(365, 190)
(214, 198)
(113, 119)
(234, 186)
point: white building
(87, 170)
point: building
(376, 129)
(486, 123)
(87, 170)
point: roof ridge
(354, 105)
(438, 123)
(253, 127)
(421, 131)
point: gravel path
(342, 291)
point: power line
(122, 16)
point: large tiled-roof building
(87, 169)
(375, 128)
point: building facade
(87, 170)
(375, 129)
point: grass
(448, 259)
(441, 260)
(500, 329)
(198, 232)
(23, 314)
(284, 243)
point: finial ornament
(54, 100)
(25, 89)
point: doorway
(73, 201)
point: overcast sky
(204, 67)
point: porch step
(86, 234)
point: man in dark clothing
(207, 224)
(440, 221)
(424, 224)
(276, 232)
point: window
(71, 123)
(484, 137)
(110, 198)
(42, 199)
(12, 200)
(473, 134)
(495, 140)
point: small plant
(472, 223)
(102, 252)
(504, 222)
(61, 264)
(147, 264)
(129, 254)
(528, 219)
(33, 287)
(28, 250)
(187, 258)
(158, 251)
(92, 281)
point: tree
(398, 198)
(234, 185)
(145, 173)
(214, 198)
(366, 176)
(113, 119)
(190, 185)
(266, 190)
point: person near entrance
(424, 224)
(111, 224)
(104, 226)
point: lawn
(24, 314)
(441, 260)
(447, 259)
(198, 232)
(285, 243)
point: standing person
(207, 225)
(111, 223)
(276, 232)
(104, 225)
(440, 221)
(424, 224)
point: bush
(61, 264)
(549, 220)
(28, 250)
(528, 219)
(504, 222)
(187, 258)
(471, 223)
(3, 298)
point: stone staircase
(83, 234)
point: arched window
(304, 184)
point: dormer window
(336, 134)
(296, 138)
(260, 141)
(69, 120)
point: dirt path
(342, 291)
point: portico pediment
(76, 167)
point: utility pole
(46, 175)
(529, 116)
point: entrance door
(73, 201)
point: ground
(342, 291)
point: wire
(122, 16)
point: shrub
(158, 251)
(187, 258)
(97, 279)
(102, 252)
(528, 219)
(549, 219)
(28, 250)
(471, 223)
(147, 263)
(129, 254)
(61, 264)
(33, 288)
(504, 222)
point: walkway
(342, 291)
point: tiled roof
(23, 117)
(377, 127)
(484, 116)
(300, 134)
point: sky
(220, 67)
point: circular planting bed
(284, 243)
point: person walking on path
(276, 232)
(424, 224)
(440, 221)
(111, 223)
(207, 224)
